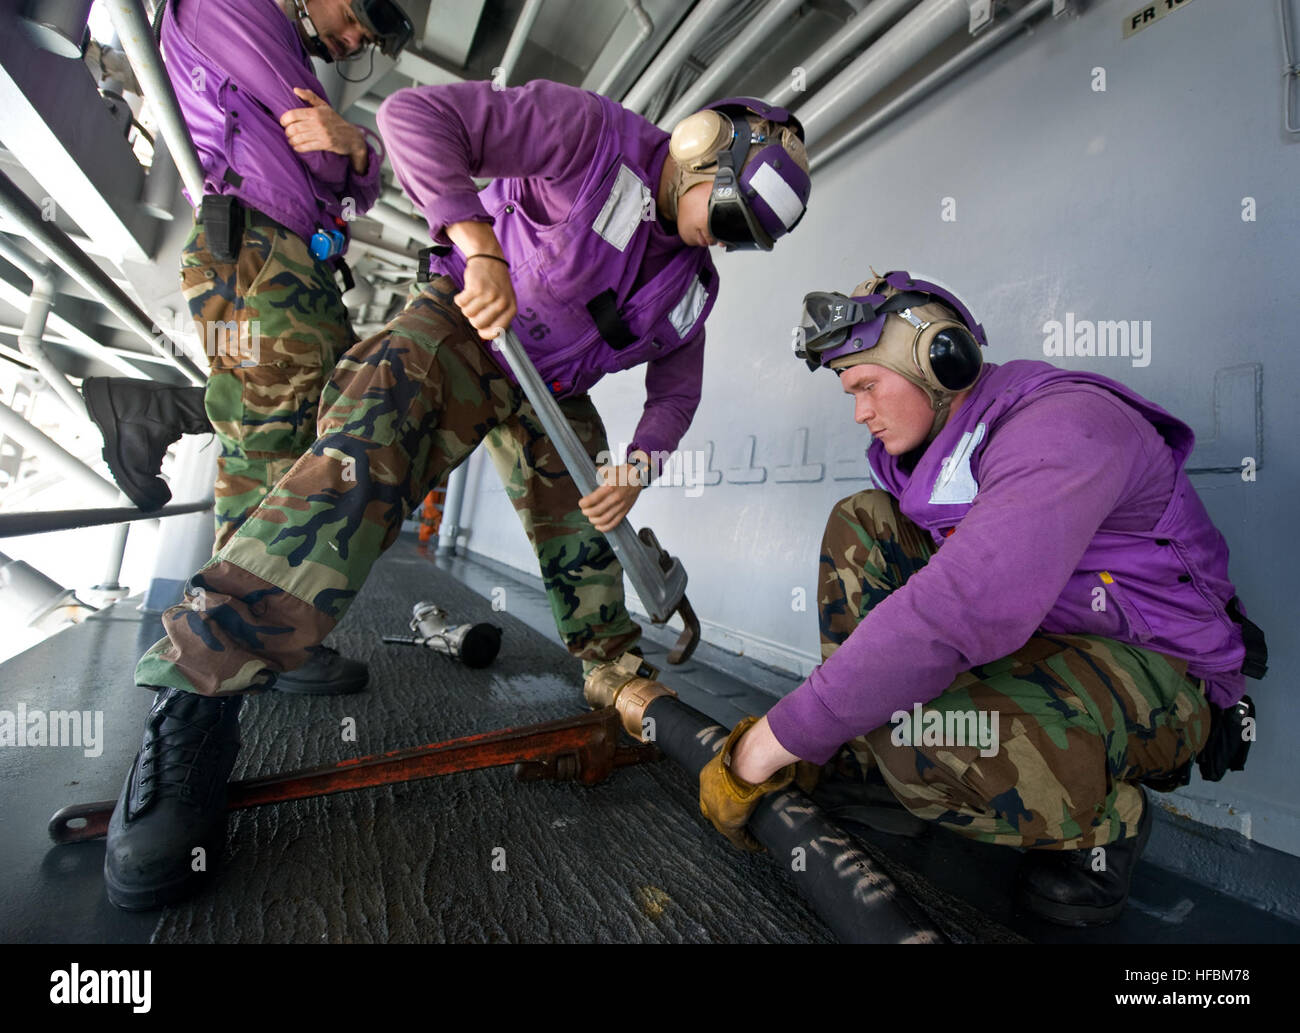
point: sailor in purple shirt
(283, 174)
(593, 240)
(1025, 620)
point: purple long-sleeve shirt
(545, 134)
(234, 65)
(1052, 474)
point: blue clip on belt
(326, 244)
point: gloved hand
(727, 800)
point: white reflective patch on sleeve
(624, 209)
(777, 195)
(687, 311)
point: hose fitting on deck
(628, 684)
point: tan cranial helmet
(904, 346)
(699, 138)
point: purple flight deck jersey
(1044, 486)
(602, 285)
(234, 65)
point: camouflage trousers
(272, 323)
(1080, 719)
(400, 411)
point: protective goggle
(833, 326)
(386, 23)
(731, 220)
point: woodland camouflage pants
(1081, 719)
(272, 322)
(400, 411)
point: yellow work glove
(727, 800)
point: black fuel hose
(841, 882)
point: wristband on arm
(495, 258)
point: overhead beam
(449, 29)
(54, 121)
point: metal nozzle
(474, 645)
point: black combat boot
(1063, 886)
(139, 420)
(173, 802)
(325, 674)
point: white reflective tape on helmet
(686, 312)
(777, 195)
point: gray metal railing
(15, 524)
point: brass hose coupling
(628, 685)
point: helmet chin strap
(942, 410)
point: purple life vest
(1170, 583)
(579, 317)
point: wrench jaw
(690, 636)
(674, 600)
(588, 767)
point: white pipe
(941, 75)
(50, 451)
(31, 337)
(394, 198)
(883, 62)
(116, 553)
(867, 22)
(674, 52)
(404, 262)
(414, 229)
(703, 89)
(30, 343)
(523, 26)
(73, 337)
(646, 30)
(28, 594)
(136, 37)
(449, 528)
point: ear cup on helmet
(697, 139)
(954, 355)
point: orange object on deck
(431, 513)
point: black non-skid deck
(478, 856)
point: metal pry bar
(659, 579)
